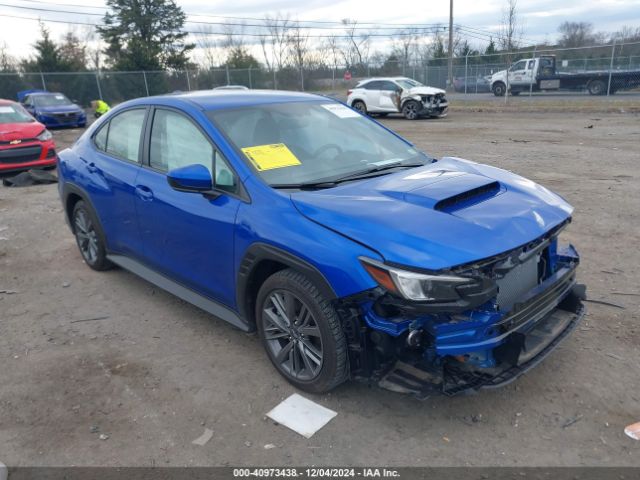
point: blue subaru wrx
(353, 254)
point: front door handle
(144, 193)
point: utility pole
(450, 79)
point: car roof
(6, 102)
(384, 78)
(223, 99)
(33, 94)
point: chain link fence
(471, 75)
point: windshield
(408, 83)
(295, 143)
(14, 114)
(55, 100)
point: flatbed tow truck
(540, 74)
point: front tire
(499, 89)
(89, 237)
(301, 332)
(411, 110)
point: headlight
(415, 286)
(45, 135)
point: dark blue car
(53, 109)
(353, 254)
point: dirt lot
(154, 371)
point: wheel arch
(498, 83)
(413, 98)
(262, 260)
(72, 194)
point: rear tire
(301, 332)
(359, 106)
(499, 89)
(89, 237)
(597, 87)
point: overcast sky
(539, 18)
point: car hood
(424, 91)
(446, 214)
(499, 74)
(59, 109)
(19, 131)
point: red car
(24, 142)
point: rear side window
(177, 142)
(122, 137)
(375, 85)
(100, 139)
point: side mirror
(192, 178)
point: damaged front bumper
(451, 352)
(434, 106)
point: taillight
(349, 92)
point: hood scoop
(470, 197)
(454, 193)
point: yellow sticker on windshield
(268, 157)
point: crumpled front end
(525, 302)
(431, 104)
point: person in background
(100, 108)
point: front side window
(177, 142)
(124, 133)
(302, 142)
(224, 177)
(521, 65)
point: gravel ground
(85, 353)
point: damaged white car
(382, 96)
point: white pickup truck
(540, 73)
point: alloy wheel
(360, 107)
(410, 111)
(87, 236)
(292, 335)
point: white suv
(397, 95)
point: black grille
(477, 194)
(540, 304)
(20, 154)
(65, 117)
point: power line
(491, 35)
(291, 23)
(335, 23)
(234, 34)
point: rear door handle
(144, 193)
(91, 167)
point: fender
(68, 189)
(259, 252)
(415, 98)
